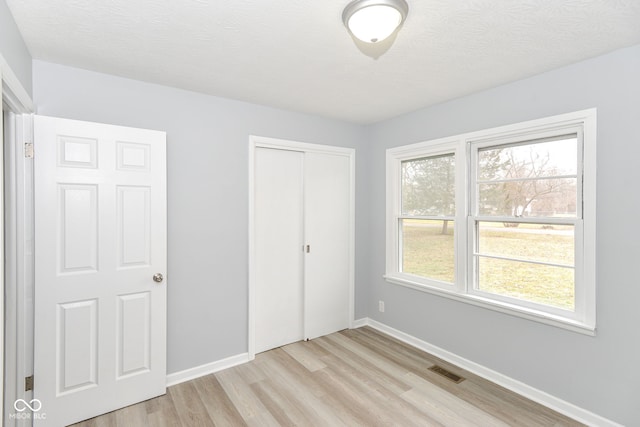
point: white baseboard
(206, 369)
(552, 402)
(358, 323)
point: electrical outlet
(381, 306)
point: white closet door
(327, 232)
(278, 222)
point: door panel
(78, 228)
(134, 226)
(278, 248)
(134, 334)
(78, 350)
(100, 224)
(77, 152)
(327, 232)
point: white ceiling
(297, 55)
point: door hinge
(28, 383)
(28, 150)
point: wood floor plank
(217, 403)
(404, 354)
(304, 355)
(134, 415)
(380, 396)
(162, 412)
(409, 358)
(244, 399)
(349, 406)
(190, 408)
(513, 409)
(295, 381)
(281, 367)
(284, 407)
(357, 377)
(446, 407)
(250, 372)
(389, 379)
(106, 420)
(369, 401)
(392, 370)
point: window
(427, 217)
(502, 218)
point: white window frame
(465, 146)
(435, 148)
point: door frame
(18, 103)
(282, 144)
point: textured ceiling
(297, 55)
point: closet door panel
(327, 232)
(278, 248)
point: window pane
(532, 198)
(548, 197)
(428, 186)
(532, 160)
(533, 242)
(553, 286)
(428, 249)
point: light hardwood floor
(357, 377)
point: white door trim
(282, 144)
(16, 100)
(19, 265)
(13, 93)
(2, 255)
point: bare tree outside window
(428, 187)
(529, 180)
(428, 208)
(536, 181)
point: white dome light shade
(374, 20)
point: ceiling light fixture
(374, 20)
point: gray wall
(601, 373)
(13, 49)
(207, 173)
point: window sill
(513, 310)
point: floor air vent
(447, 374)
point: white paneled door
(100, 291)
